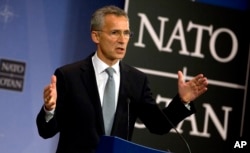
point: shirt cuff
(187, 105)
(49, 114)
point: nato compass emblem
(6, 14)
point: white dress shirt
(102, 76)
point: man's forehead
(116, 22)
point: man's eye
(127, 33)
(114, 32)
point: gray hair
(97, 19)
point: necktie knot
(110, 71)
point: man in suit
(73, 100)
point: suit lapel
(122, 104)
(89, 80)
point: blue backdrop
(44, 35)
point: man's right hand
(50, 94)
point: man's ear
(95, 36)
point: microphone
(128, 103)
(180, 135)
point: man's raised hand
(50, 94)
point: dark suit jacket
(78, 115)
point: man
(73, 100)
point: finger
(46, 92)
(198, 77)
(203, 85)
(49, 100)
(53, 81)
(199, 80)
(50, 105)
(203, 81)
(180, 77)
(46, 101)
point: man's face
(113, 39)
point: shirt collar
(100, 66)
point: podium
(109, 144)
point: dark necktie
(109, 101)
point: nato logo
(12, 74)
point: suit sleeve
(46, 129)
(157, 120)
